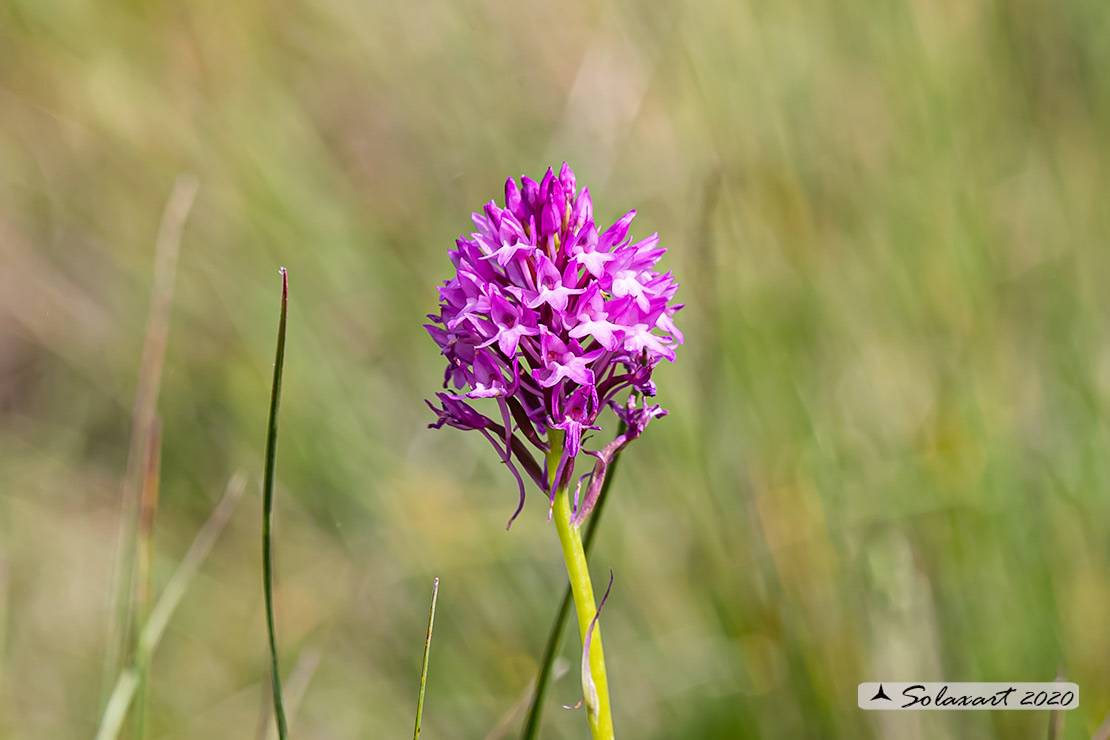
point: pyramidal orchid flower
(549, 320)
(553, 318)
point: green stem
(597, 700)
(555, 637)
(268, 511)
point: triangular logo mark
(881, 695)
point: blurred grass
(887, 448)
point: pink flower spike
(550, 317)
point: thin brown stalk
(148, 505)
(167, 245)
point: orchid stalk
(595, 683)
(550, 321)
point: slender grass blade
(268, 510)
(424, 669)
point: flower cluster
(552, 319)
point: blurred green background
(887, 450)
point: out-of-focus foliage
(887, 449)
